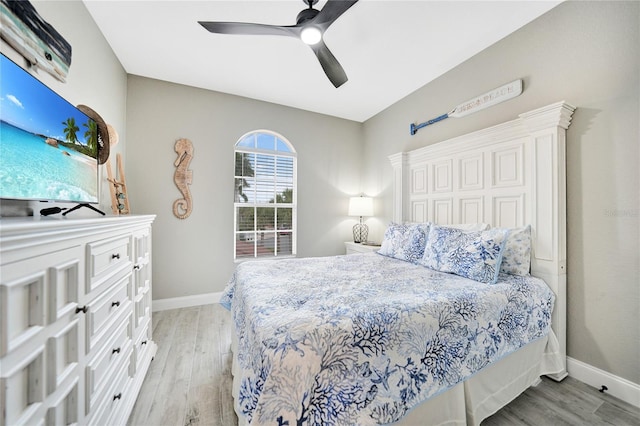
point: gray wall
(95, 79)
(195, 255)
(585, 53)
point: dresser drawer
(105, 258)
(112, 396)
(142, 346)
(102, 367)
(103, 310)
(117, 399)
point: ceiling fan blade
(329, 64)
(332, 11)
(244, 28)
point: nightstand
(352, 247)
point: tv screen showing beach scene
(48, 147)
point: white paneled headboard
(508, 175)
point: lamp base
(360, 233)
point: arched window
(265, 196)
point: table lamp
(360, 206)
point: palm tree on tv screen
(91, 136)
(71, 129)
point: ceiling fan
(310, 26)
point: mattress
(365, 339)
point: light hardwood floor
(189, 382)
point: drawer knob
(144, 342)
(118, 396)
(136, 267)
(82, 309)
(115, 303)
(115, 256)
(115, 351)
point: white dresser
(351, 247)
(75, 318)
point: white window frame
(293, 206)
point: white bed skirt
(477, 398)
(490, 389)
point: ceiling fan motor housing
(306, 15)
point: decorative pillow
(405, 242)
(474, 255)
(516, 259)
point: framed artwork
(34, 38)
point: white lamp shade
(361, 206)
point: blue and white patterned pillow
(516, 259)
(474, 255)
(405, 241)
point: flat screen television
(48, 147)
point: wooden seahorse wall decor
(183, 178)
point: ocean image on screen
(48, 147)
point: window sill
(246, 259)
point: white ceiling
(388, 48)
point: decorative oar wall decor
(183, 177)
(495, 96)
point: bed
(412, 337)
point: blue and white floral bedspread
(362, 339)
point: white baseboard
(616, 386)
(185, 301)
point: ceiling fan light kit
(310, 27)
(310, 35)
